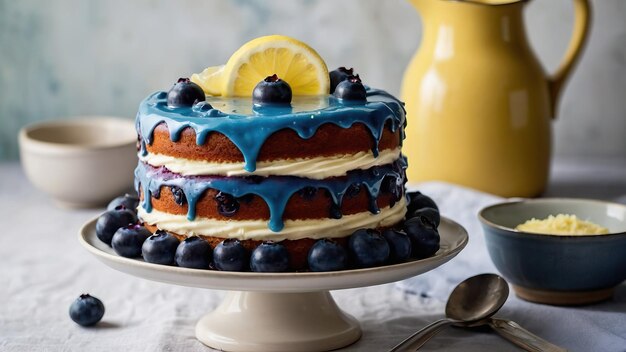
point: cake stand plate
(278, 311)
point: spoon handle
(523, 338)
(419, 338)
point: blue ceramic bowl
(557, 269)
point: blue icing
(248, 126)
(275, 190)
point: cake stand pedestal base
(260, 321)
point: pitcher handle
(582, 23)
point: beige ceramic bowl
(84, 162)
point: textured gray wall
(76, 57)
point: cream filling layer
(314, 168)
(258, 230)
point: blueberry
(339, 75)
(399, 245)
(353, 190)
(270, 256)
(194, 252)
(429, 214)
(327, 255)
(230, 255)
(272, 90)
(351, 89)
(127, 241)
(368, 248)
(184, 93)
(394, 186)
(227, 205)
(308, 193)
(129, 202)
(156, 194)
(335, 211)
(202, 106)
(417, 201)
(424, 237)
(160, 248)
(179, 195)
(86, 310)
(111, 220)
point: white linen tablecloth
(43, 269)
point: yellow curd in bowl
(562, 224)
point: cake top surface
(233, 108)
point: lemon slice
(292, 60)
(210, 80)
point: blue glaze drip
(373, 206)
(142, 148)
(248, 128)
(335, 211)
(275, 190)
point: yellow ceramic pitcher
(478, 102)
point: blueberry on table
(339, 75)
(160, 248)
(327, 255)
(429, 214)
(269, 256)
(368, 248)
(417, 201)
(230, 255)
(128, 201)
(127, 241)
(424, 237)
(86, 310)
(111, 220)
(194, 252)
(351, 89)
(399, 245)
(184, 93)
(272, 90)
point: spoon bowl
(477, 298)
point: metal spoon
(471, 303)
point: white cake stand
(277, 311)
